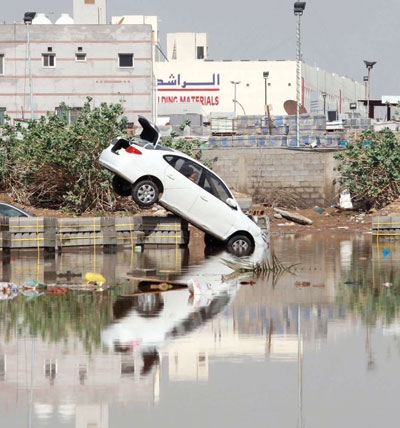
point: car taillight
(133, 150)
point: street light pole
(237, 102)
(234, 96)
(369, 65)
(298, 11)
(365, 80)
(324, 97)
(28, 18)
(265, 75)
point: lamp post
(265, 75)
(299, 7)
(237, 102)
(324, 97)
(369, 65)
(365, 80)
(28, 18)
(234, 96)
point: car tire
(211, 241)
(240, 245)
(145, 193)
(121, 186)
(150, 305)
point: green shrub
(53, 164)
(370, 169)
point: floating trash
(8, 290)
(94, 278)
(386, 252)
(202, 287)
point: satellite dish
(290, 107)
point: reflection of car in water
(151, 173)
(148, 320)
(145, 322)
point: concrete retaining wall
(95, 232)
(386, 226)
(308, 174)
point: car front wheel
(120, 186)
(240, 245)
(145, 193)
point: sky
(336, 36)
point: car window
(186, 167)
(164, 148)
(216, 187)
(10, 212)
(204, 178)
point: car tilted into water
(152, 173)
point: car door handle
(171, 176)
(204, 198)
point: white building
(90, 11)
(187, 46)
(246, 87)
(43, 65)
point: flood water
(318, 346)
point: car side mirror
(232, 203)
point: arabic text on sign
(176, 82)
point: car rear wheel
(121, 186)
(240, 245)
(145, 193)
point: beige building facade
(44, 64)
(246, 87)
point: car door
(180, 186)
(210, 210)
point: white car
(147, 321)
(10, 210)
(151, 173)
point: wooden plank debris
(293, 216)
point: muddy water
(314, 346)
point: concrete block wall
(103, 232)
(274, 141)
(256, 171)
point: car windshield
(149, 146)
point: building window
(50, 370)
(1, 64)
(125, 60)
(49, 60)
(127, 365)
(80, 57)
(71, 114)
(2, 114)
(89, 1)
(82, 373)
(2, 367)
(200, 52)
